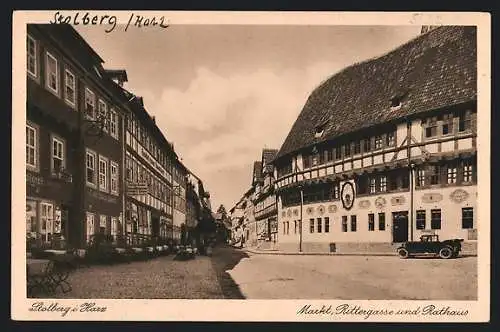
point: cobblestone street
(159, 278)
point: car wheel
(446, 253)
(403, 253)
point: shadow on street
(225, 258)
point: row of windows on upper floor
(322, 225)
(449, 173)
(65, 87)
(433, 127)
(101, 172)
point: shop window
(31, 53)
(52, 73)
(46, 221)
(344, 223)
(320, 225)
(371, 222)
(102, 224)
(69, 87)
(114, 226)
(89, 104)
(381, 221)
(311, 225)
(31, 146)
(467, 218)
(90, 226)
(436, 219)
(353, 224)
(327, 225)
(58, 160)
(420, 219)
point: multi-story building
(74, 138)
(385, 150)
(236, 217)
(265, 200)
(150, 170)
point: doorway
(399, 226)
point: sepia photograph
(171, 160)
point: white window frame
(62, 143)
(34, 147)
(66, 85)
(102, 111)
(94, 177)
(35, 59)
(105, 174)
(451, 174)
(113, 123)
(114, 177)
(103, 220)
(48, 73)
(89, 93)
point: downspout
(410, 166)
(300, 224)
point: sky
(222, 93)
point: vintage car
(430, 244)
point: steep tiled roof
(267, 157)
(434, 70)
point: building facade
(74, 138)
(385, 151)
(265, 201)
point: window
(31, 56)
(89, 104)
(344, 223)
(467, 218)
(114, 177)
(452, 174)
(103, 113)
(311, 225)
(31, 146)
(69, 87)
(287, 227)
(447, 124)
(338, 153)
(102, 224)
(467, 171)
(284, 228)
(405, 180)
(371, 222)
(113, 123)
(367, 146)
(420, 177)
(373, 187)
(381, 221)
(436, 219)
(390, 139)
(362, 185)
(320, 225)
(329, 155)
(383, 183)
(52, 71)
(347, 150)
(378, 142)
(57, 154)
(327, 225)
(295, 227)
(434, 174)
(357, 147)
(90, 174)
(420, 219)
(464, 121)
(336, 191)
(353, 223)
(306, 161)
(90, 226)
(431, 127)
(114, 226)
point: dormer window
(320, 130)
(395, 103)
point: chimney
(153, 118)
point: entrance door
(400, 226)
(155, 226)
(46, 219)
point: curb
(261, 252)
